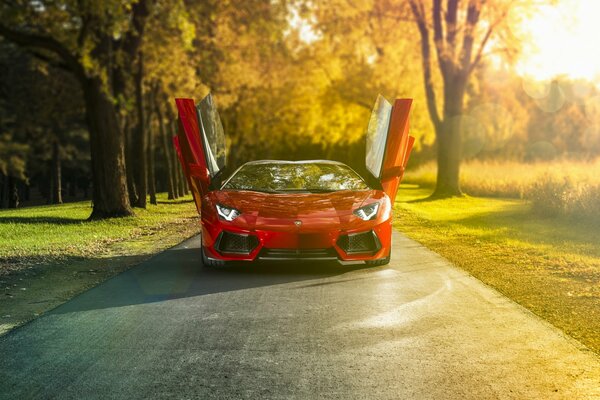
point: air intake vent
(365, 242)
(298, 254)
(237, 243)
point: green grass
(550, 265)
(49, 234)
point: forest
(87, 91)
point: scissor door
(388, 143)
(200, 144)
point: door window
(377, 135)
(213, 136)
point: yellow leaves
(87, 61)
(188, 31)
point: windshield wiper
(323, 190)
(264, 190)
(315, 190)
(253, 190)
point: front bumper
(365, 242)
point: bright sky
(304, 27)
(566, 40)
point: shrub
(554, 187)
(583, 201)
(549, 195)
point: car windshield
(311, 177)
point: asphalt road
(416, 329)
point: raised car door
(388, 143)
(200, 144)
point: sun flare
(564, 41)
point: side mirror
(393, 172)
(200, 173)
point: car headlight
(227, 213)
(368, 212)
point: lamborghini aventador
(293, 210)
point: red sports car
(294, 210)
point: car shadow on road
(178, 273)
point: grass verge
(550, 265)
(49, 254)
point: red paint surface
(271, 217)
(398, 147)
(191, 154)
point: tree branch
(479, 53)
(451, 15)
(133, 39)
(488, 34)
(438, 37)
(419, 14)
(32, 40)
(438, 33)
(48, 59)
(473, 12)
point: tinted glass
(377, 135)
(213, 137)
(295, 177)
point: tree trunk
(179, 178)
(182, 185)
(183, 182)
(110, 197)
(56, 174)
(176, 175)
(140, 142)
(448, 160)
(151, 166)
(448, 138)
(129, 165)
(4, 192)
(13, 193)
(167, 150)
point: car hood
(315, 210)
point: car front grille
(236, 243)
(298, 254)
(364, 242)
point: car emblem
(298, 223)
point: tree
(358, 49)
(79, 37)
(459, 32)
(132, 49)
(41, 105)
(12, 167)
(169, 71)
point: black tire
(381, 261)
(211, 262)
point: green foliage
(40, 105)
